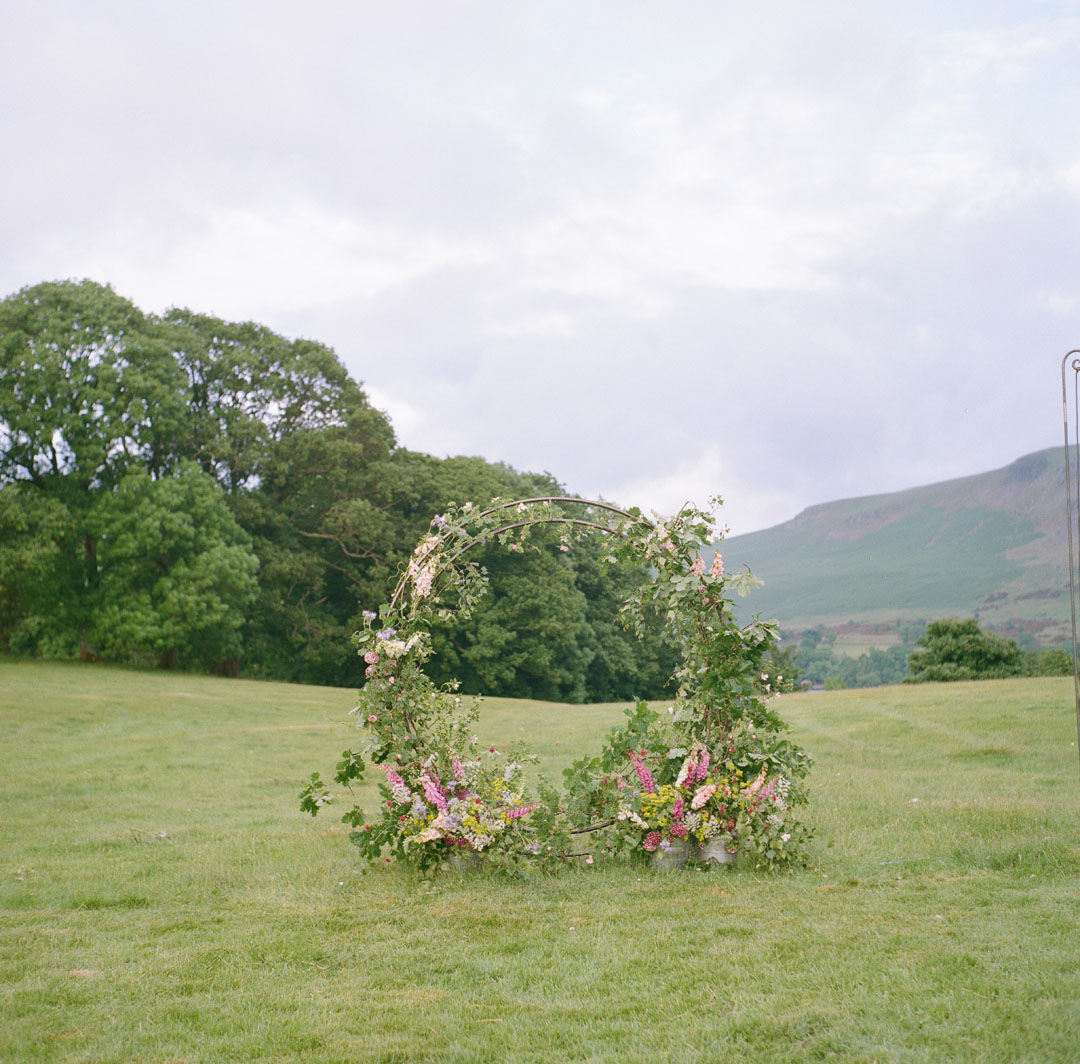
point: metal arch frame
(550, 520)
(1072, 515)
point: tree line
(189, 492)
(942, 650)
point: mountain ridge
(990, 545)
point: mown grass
(163, 900)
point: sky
(781, 252)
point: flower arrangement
(716, 766)
(714, 798)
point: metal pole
(1075, 356)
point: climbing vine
(712, 767)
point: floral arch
(713, 776)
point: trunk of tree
(87, 652)
(229, 667)
(170, 659)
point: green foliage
(957, 649)
(1051, 661)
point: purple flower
(387, 633)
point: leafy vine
(715, 767)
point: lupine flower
(717, 569)
(643, 774)
(458, 770)
(698, 566)
(703, 795)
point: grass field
(163, 900)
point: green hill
(991, 545)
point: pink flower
(398, 787)
(371, 658)
(432, 791)
(703, 767)
(522, 810)
(698, 566)
(703, 795)
(717, 569)
(457, 769)
(669, 547)
(564, 549)
(652, 840)
(643, 774)
(677, 809)
(678, 830)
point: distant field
(162, 898)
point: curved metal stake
(1072, 515)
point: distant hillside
(991, 545)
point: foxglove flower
(432, 792)
(398, 787)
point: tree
(92, 389)
(177, 571)
(955, 649)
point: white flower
(785, 836)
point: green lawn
(163, 900)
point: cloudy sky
(784, 252)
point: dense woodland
(188, 492)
